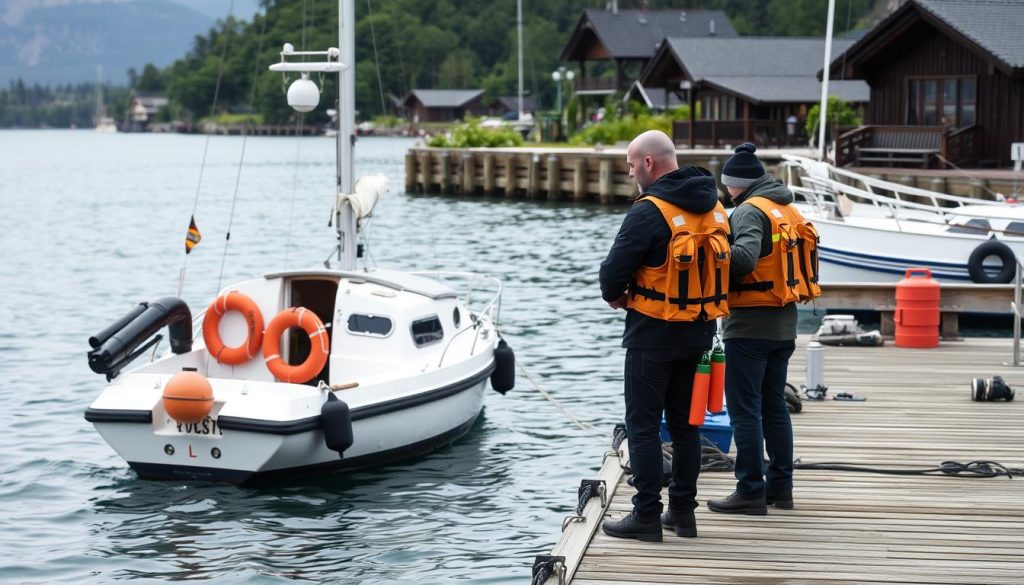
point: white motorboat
(873, 230)
(390, 364)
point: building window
(949, 101)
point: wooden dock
(853, 527)
(589, 174)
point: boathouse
(613, 46)
(742, 89)
(947, 85)
(442, 105)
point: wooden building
(756, 89)
(947, 85)
(442, 105)
(508, 105)
(612, 46)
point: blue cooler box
(716, 429)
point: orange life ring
(318, 345)
(233, 301)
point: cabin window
(972, 226)
(949, 101)
(426, 331)
(456, 317)
(372, 325)
(1015, 228)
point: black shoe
(734, 503)
(682, 523)
(781, 499)
(633, 527)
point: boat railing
(897, 209)
(490, 309)
(886, 192)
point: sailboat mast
(519, 25)
(346, 219)
(823, 108)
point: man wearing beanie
(759, 336)
(665, 335)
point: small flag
(193, 236)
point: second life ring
(319, 345)
(993, 247)
(233, 301)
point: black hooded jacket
(643, 240)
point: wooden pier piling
(601, 175)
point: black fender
(998, 249)
(337, 422)
(503, 378)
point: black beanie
(743, 168)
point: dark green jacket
(751, 240)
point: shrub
(840, 113)
(471, 135)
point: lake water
(96, 223)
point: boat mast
(345, 219)
(519, 24)
(823, 108)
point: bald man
(661, 354)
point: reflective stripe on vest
(789, 273)
(693, 282)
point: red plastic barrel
(917, 309)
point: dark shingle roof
(511, 103)
(994, 25)
(753, 56)
(803, 89)
(635, 34)
(444, 98)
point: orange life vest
(693, 282)
(789, 273)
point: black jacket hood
(693, 188)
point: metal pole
(346, 220)
(559, 99)
(519, 23)
(823, 108)
(1016, 317)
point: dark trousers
(755, 387)
(661, 380)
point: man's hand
(619, 303)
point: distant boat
(103, 123)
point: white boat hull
(251, 449)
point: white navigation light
(303, 94)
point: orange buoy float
(188, 397)
(319, 345)
(233, 301)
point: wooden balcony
(908, 146)
(717, 133)
(596, 85)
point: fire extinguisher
(716, 393)
(701, 385)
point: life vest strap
(761, 285)
(635, 289)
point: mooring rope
(576, 420)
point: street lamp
(557, 76)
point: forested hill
(405, 44)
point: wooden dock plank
(858, 527)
